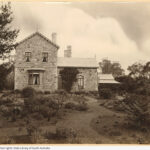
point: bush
(105, 93)
(63, 133)
(17, 91)
(47, 112)
(28, 92)
(70, 105)
(137, 109)
(6, 100)
(82, 107)
(61, 91)
(80, 92)
(47, 92)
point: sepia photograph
(74, 72)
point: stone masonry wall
(90, 79)
(48, 74)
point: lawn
(80, 120)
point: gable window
(28, 56)
(34, 79)
(45, 57)
(80, 81)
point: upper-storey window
(45, 57)
(28, 56)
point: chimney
(67, 52)
(54, 35)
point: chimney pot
(67, 52)
(54, 35)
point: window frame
(28, 56)
(46, 57)
(31, 79)
(80, 81)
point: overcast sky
(113, 30)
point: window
(28, 56)
(34, 79)
(81, 82)
(45, 57)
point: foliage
(70, 105)
(62, 133)
(139, 70)
(82, 107)
(109, 67)
(128, 84)
(105, 93)
(136, 70)
(137, 109)
(45, 106)
(68, 76)
(28, 92)
(47, 92)
(7, 34)
(5, 69)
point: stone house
(37, 65)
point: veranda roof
(107, 79)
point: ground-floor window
(81, 82)
(34, 78)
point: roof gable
(41, 35)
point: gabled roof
(77, 62)
(41, 35)
(107, 78)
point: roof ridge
(78, 57)
(43, 36)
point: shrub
(63, 133)
(37, 116)
(61, 91)
(105, 93)
(28, 92)
(82, 107)
(137, 109)
(47, 92)
(70, 105)
(6, 100)
(17, 91)
(93, 93)
(80, 92)
(31, 129)
(49, 135)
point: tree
(5, 69)
(136, 70)
(106, 66)
(68, 76)
(7, 34)
(138, 79)
(137, 109)
(109, 67)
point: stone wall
(47, 70)
(90, 79)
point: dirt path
(80, 121)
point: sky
(119, 31)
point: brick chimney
(54, 35)
(67, 52)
